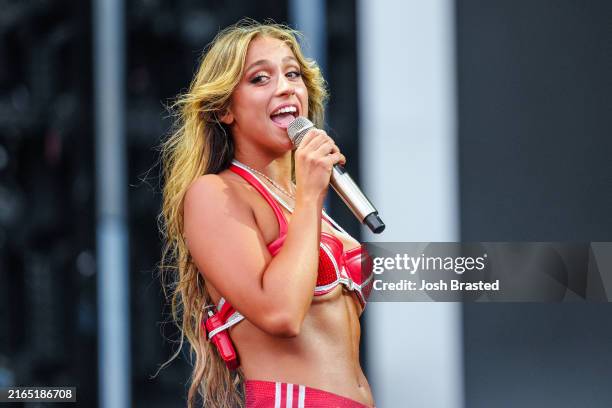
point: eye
(259, 78)
(294, 74)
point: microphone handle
(355, 200)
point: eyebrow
(264, 62)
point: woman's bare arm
(273, 293)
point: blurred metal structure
(112, 230)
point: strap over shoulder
(252, 180)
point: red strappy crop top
(336, 266)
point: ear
(227, 117)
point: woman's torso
(325, 354)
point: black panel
(535, 127)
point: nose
(284, 86)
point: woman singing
(266, 287)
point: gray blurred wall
(535, 154)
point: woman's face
(268, 97)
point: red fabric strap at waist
(267, 394)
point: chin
(287, 147)
(284, 146)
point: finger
(326, 148)
(321, 140)
(330, 142)
(314, 138)
(311, 136)
(332, 159)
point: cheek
(302, 93)
(247, 105)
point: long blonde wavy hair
(199, 144)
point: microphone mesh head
(297, 129)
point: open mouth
(284, 116)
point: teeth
(286, 109)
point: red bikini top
(336, 266)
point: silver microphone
(341, 182)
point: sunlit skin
(288, 335)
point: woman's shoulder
(212, 190)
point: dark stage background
(534, 107)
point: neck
(277, 169)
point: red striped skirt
(269, 394)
